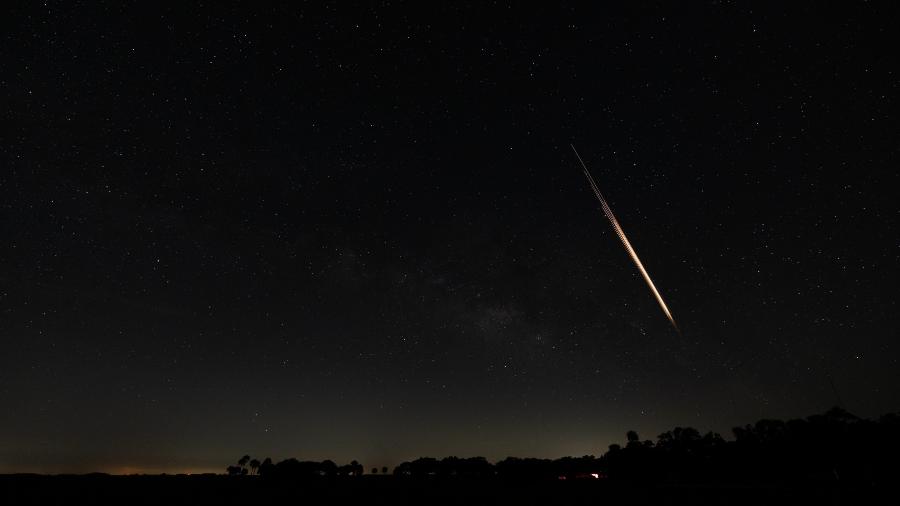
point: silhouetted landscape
(830, 458)
(449, 253)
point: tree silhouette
(633, 439)
(831, 449)
(328, 468)
(266, 468)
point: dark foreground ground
(367, 490)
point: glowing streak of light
(621, 233)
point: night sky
(360, 233)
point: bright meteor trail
(621, 233)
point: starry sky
(327, 231)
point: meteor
(621, 233)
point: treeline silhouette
(832, 447)
(293, 468)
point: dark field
(214, 489)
